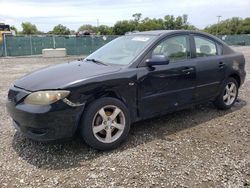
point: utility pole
(97, 22)
(218, 24)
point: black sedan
(134, 77)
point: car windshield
(122, 50)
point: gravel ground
(197, 147)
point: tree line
(230, 26)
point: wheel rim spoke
(231, 87)
(103, 114)
(97, 129)
(232, 94)
(108, 135)
(115, 113)
(118, 126)
(225, 97)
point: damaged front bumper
(43, 122)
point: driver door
(166, 87)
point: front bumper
(42, 123)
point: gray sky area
(74, 13)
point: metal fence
(33, 45)
(242, 40)
(84, 45)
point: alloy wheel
(108, 124)
(230, 93)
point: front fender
(121, 85)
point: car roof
(168, 32)
(157, 32)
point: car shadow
(76, 153)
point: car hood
(62, 75)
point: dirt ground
(197, 147)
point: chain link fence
(33, 45)
(1, 50)
(83, 45)
(241, 40)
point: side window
(204, 47)
(175, 48)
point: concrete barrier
(57, 52)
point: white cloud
(47, 13)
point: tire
(222, 102)
(105, 124)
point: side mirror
(157, 60)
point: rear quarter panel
(235, 65)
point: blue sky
(74, 13)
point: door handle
(187, 70)
(221, 65)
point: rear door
(210, 67)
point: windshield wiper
(96, 61)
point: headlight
(45, 97)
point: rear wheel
(228, 94)
(105, 124)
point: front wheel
(105, 124)
(228, 94)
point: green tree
(245, 27)
(29, 28)
(13, 28)
(151, 24)
(72, 32)
(169, 22)
(230, 26)
(60, 30)
(87, 27)
(100, 30)
(121, 27)
(137, 17)
(235, 24)
(104, 30)
(179, 22)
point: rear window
(205, 47)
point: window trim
(208, 39)
(188, 38)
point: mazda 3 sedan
(132, 78)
